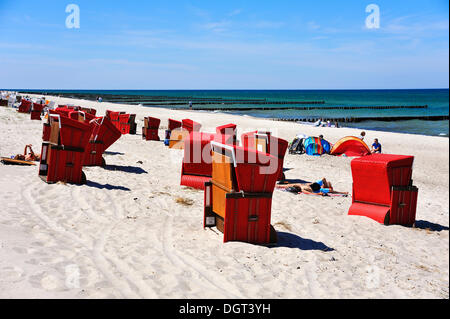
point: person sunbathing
(320, 187)
(31, 156)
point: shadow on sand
(113, 153)
(106, 186)
(293, 241)
(423, 224)
(126, 169)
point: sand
(133, 232)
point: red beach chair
(266, 143)
(64, 111)
(127, 124)
(36, 110)
(172, 125)
(114, 117)
(178, 135)
(383, 190)
(25, 106)
(104, 134)
(88, 110)
(191, 125)
(63, 150)
(196, 168)
(150, 129)
(238, 199)
(228, 129)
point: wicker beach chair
(150, 129)
(63, 146)
(265, 142)
(104, 134)
(383, 190)
(178, 135)
(238, 199)
(196, 167)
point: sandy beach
(133, 232)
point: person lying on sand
(31, 156)
(322, 186)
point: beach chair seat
(36, 111)
(383, 190)
(150, 129)
(238, 199)
(63, 150)
(196, 167)
(104, 134)
(265, 142)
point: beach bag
(297, 146)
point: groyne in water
(167, 100)
(306, 108)
(365, 119)
(199, 102)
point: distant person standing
(190, 105)
(362, 135)
(376, 146)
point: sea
(324, 104)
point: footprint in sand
(11, 274)
(46, 281)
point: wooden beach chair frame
(230, 204)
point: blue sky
(224, 45)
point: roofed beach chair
(265, 142)
(63, 146)
(104, 134)
(238, 199)
(150, 129)
(36, 111)
(172, 124)
(196, 167)
(25, 106)
(178, 135)
(127, 123)
(383, 190)
(114, 117)
(228, 129)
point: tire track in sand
(218, 284)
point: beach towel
(10, 161)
